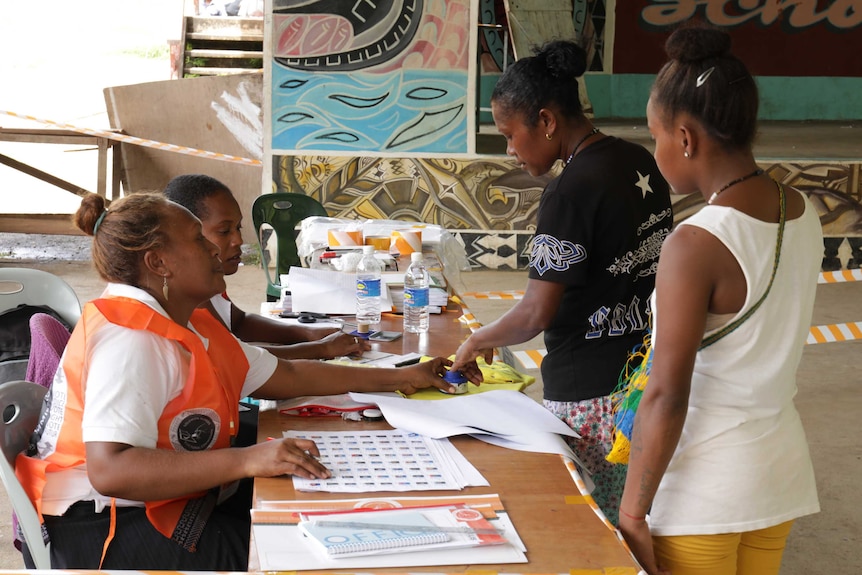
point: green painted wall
(781, 97)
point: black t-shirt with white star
(600, 227)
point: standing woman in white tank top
(719, 467)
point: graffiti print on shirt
(550, 253)
(623, 320)
(648, 251)
(654, 219)
(195, 429)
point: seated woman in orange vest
(214, 204)
(133, 454)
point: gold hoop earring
(165, 287)
(548, 136)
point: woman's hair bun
(563, 59)
(92, 206)
(696, 44)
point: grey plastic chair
(20, 405)
(37, 287)
(34, 287)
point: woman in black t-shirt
(600, 227)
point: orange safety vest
(204, 416)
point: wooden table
(556, 523)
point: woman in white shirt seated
(133, 467)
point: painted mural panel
(773, 37)
(490, 203)
(485, 193)
(355, 76)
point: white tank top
(742, 462)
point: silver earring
(165, 287)
(686, 154)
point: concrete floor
(829, 402)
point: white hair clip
(701, 80)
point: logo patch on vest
(195, 429)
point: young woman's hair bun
(696, 44)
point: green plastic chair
(282, 211)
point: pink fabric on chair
(48, 338)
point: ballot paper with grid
(386, 460)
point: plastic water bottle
(416, 295)
(368, 287)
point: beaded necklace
(753, 174)
(589, 135)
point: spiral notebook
(371, 532)
(396, 532)
(280, 545)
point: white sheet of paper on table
(330, 292)
(386, 460)
(503, 417)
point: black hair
(550, 78)
(704, 79)
(190, 191)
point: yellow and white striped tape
(531, 358)
(509, 294)
(840, 276)
(139, 141)
(835, 332)
(467, 317)
(831, 333)
(470, 320)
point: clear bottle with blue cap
(368, 287)
(416, 295)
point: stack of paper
(386, 460)
(438, 296)
(283, 546)
(502, 417)
(379, 531)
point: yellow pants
(750, 553)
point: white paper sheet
(325, 291)
(511, 418)
(386, 460)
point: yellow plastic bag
(498, 375)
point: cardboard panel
(219, 114)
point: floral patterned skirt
(593, 420)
